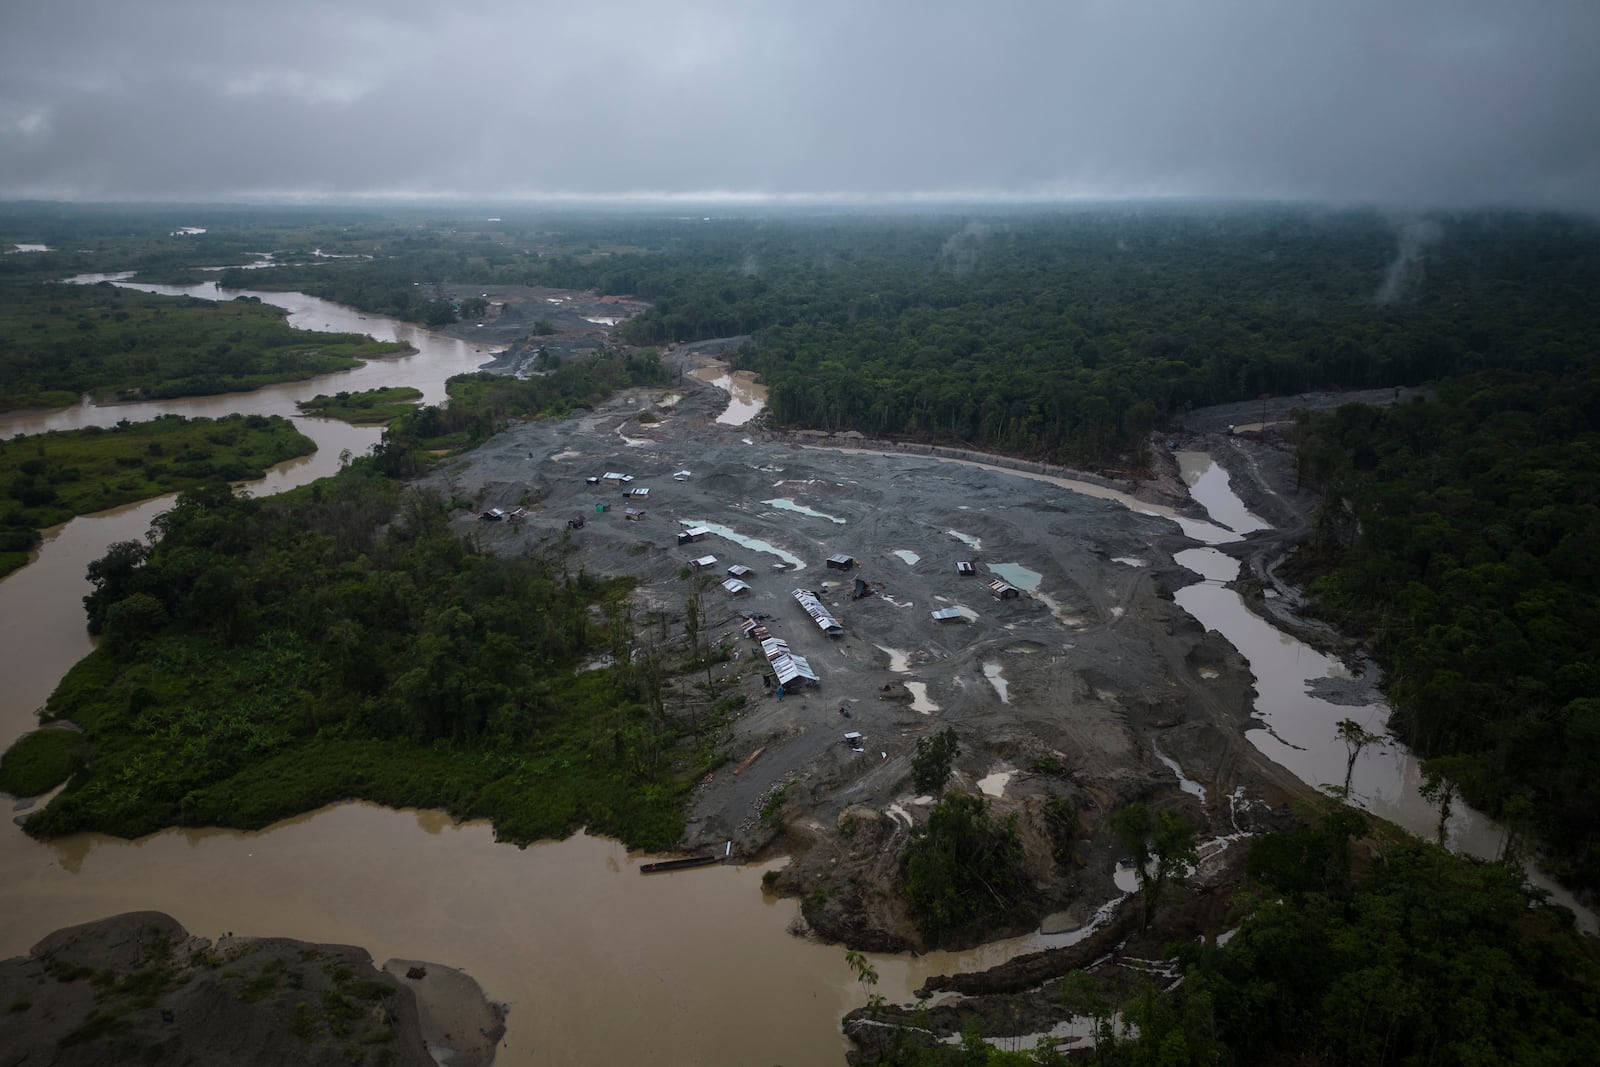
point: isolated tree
(1082, 995)
(1518, 818)
(930, 767)
(1355, 739)
(867, 975)
(1441, 784)
(1159, 840)
(692, 607)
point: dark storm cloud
(1412, 103)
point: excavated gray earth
(1097, 663)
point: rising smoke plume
(1404, 275)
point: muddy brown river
(597, 963)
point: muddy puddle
(997, 679)
(899, 662)
(746, 396)
(754, 544)
(1187, 784)
(783, 503)
(994, 784)
(919, 698)
(1209, 484)
(1018, 575)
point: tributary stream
(597, 963)
(1298, 728)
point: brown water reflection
(746, 396)
(599, 963)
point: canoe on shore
(662, 866)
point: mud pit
(1099, 667)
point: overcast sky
(1401, 102)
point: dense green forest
(1067, 335)
(1071, 338)
(1344, 957)
(58, 342)
(49, 478)
(1459, 535)
(264, 657)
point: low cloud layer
(1416, 104)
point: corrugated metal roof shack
(819, 614)
(789, 668)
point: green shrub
(962, 870)
(38, 762)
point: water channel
(597, 963)
(1298, 728)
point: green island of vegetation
(365, 408)
(267, 657)
(59, 342)
(49, 478)
(261, 658)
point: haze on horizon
(1429, 103)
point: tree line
(1066, 335)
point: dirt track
(1096, 662)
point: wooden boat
(663, 866)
